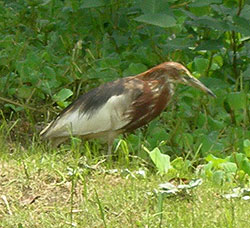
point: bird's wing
(100, 110)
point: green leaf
(201, 64)
(211, 22)
(237, 100)
(210, 45)
(237, 158)
(242, 161)
(13, 107)
(224, 11)
(108, 74)
(210, 143)
(186, 140)
(178, 44)
(202, 3)
(246, 166)
(241, 25)
(109, 62)
(215, 161)
(33, 60)
(180, 164)
(159, 19)
(218, 60)
(230, 167)
(62, 95)
(153, 6)
(92, 3)
(161, 161)
(49, 72)
(156, 135)
(24, 92)
(247, 147)
(245, 12)
(246, 73)
(135, 68)
(201, 120)
(218, 177)
(215, 124)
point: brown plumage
(122, 105)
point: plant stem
(209, 64)
(234, 44)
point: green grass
(45, 187)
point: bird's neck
(152, 74)
(171, 88)
(157, 77)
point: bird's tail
(45, 131)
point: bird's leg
(111, 138)
(110, 145)
(109, 149)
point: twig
(180, 5)
(18, 104)
(234, 47)
(234, 44)
(6, 204)
(209, 64)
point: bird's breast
(160, 100)
(150, 104)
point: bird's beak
(192, 81)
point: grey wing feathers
(100, 110)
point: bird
(122, 105)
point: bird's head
(177, 73)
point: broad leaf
(62, 95)
(237, 100)
(242, 25)
(246, 166)
(247, 147)
(201, 64)
(25, 92)
(215, 161)
(202, 3)
(246, 73)
(153, 6)
(218, 177)
(242, 162)
(230, 167)
(136, 68)
(210, 45)
(178, 44)
(161, 161)
(210, 22)
(245, 12)
(224, 11)
(93, 3)
(159, 19)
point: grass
(43, 187)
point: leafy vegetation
(51, 51)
